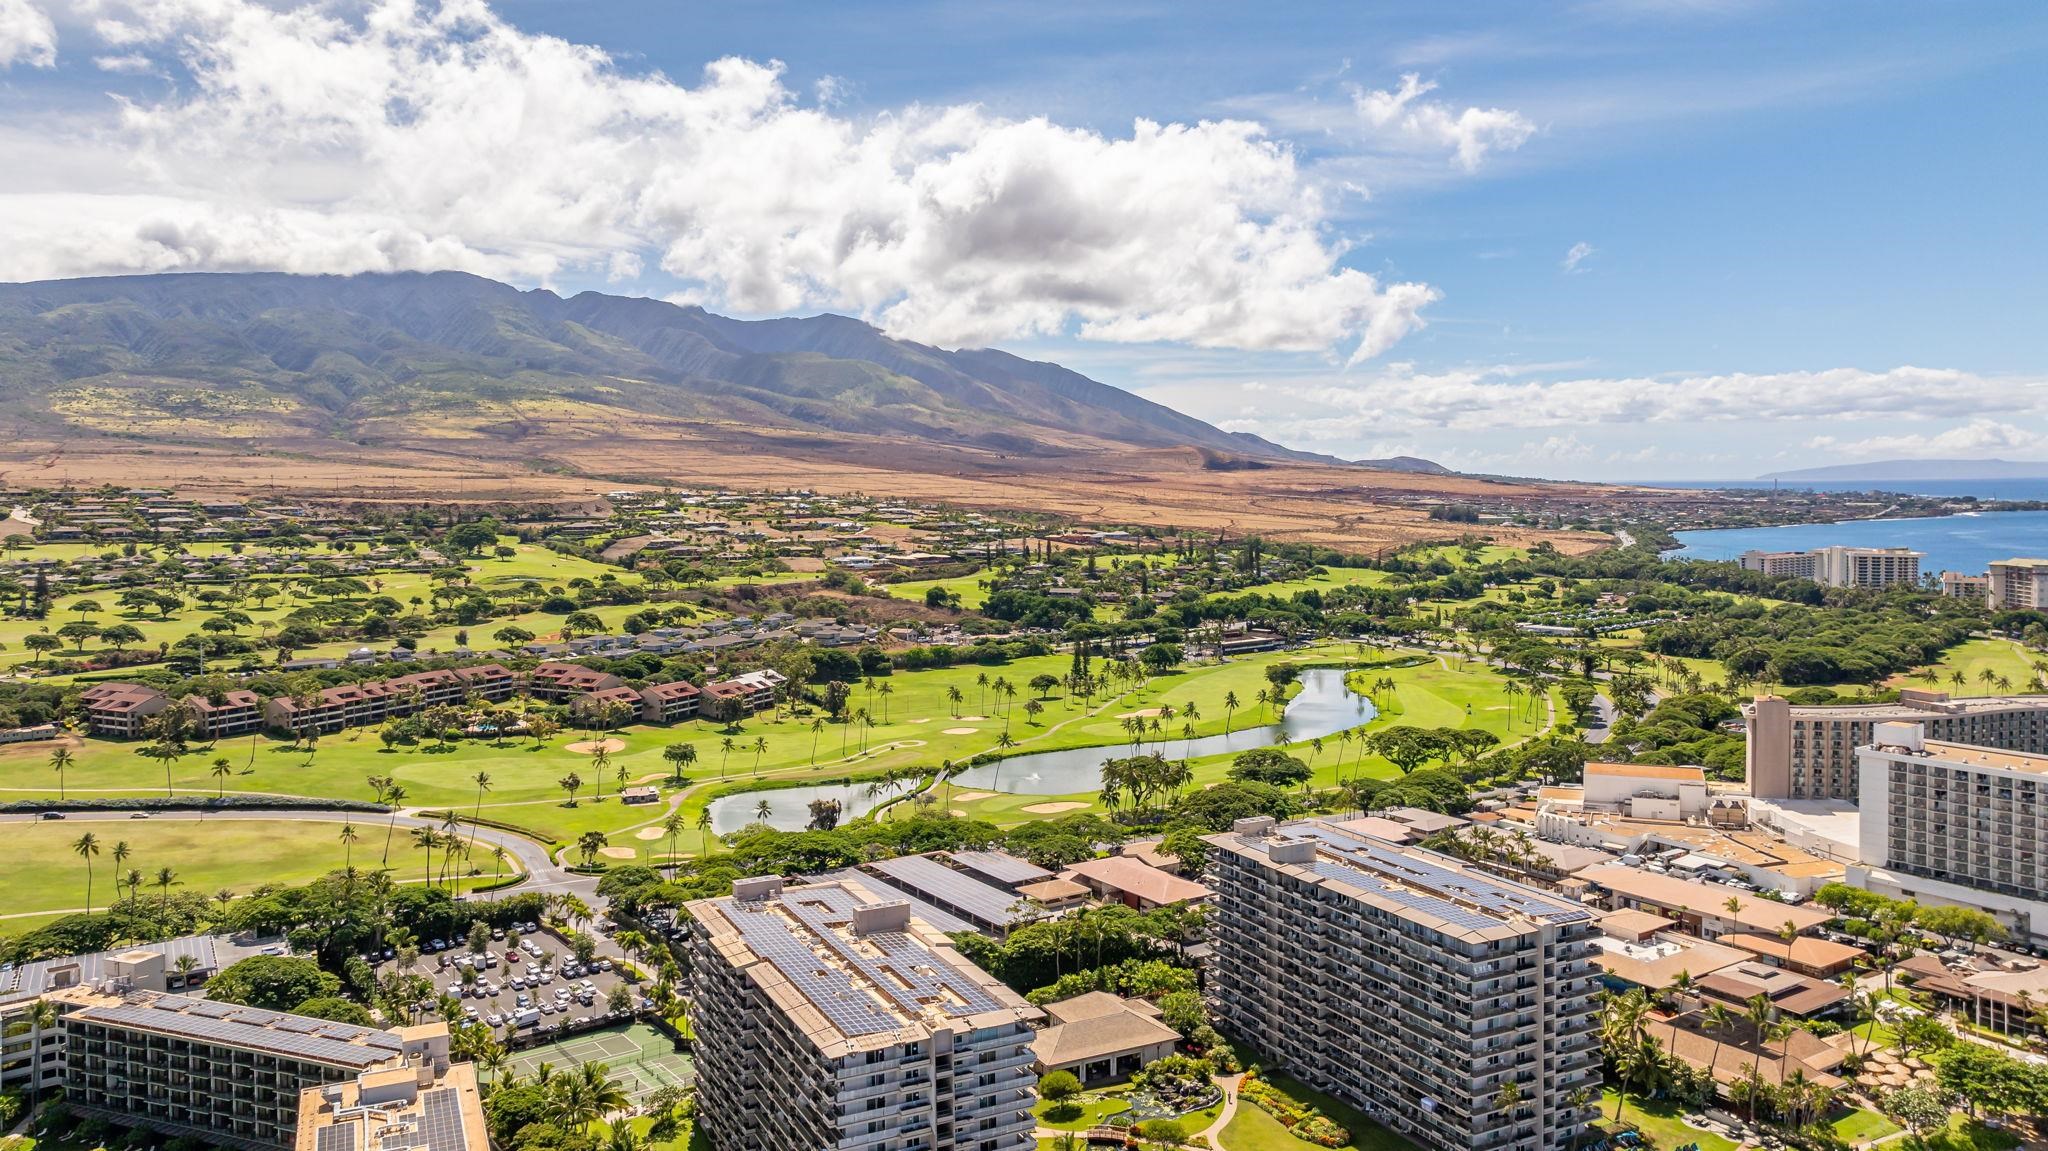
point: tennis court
(641, 1058)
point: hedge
(196, 803)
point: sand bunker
(926, 719)
(649, 833)
(971, 796)
(1147, 713)
(587, 746)
(618, 853)
(973, 718)
(960, 731)
(1054, 808)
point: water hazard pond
(1324, 706)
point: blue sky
(1604, 240)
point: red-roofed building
(237, 713)
(669, 702)
(1121, 879)
(554, 681)
(118, 710)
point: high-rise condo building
(829, 1018)
(1455, 1007)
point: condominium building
(2017, 585)
(32, 1041)
(227, 1074)
(423, 1106)
(372, 702)
(1840, 566)
(1962, 585)
(1948, 822)
(827, 1018)
(1810, 752)
(1407, 984)
(120, 710)
(236, 712)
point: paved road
(543, 873)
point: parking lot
(527, 981)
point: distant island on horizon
(1889, 471)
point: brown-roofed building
(1657, 963)
(237, 713)
(1730, 1055)
(1806, 954)
(1055, 894)
(669, 702)
(118, 710)
(1708, 909)
(1124, 880)
(1634, 926)
(553, 681)
(1790, 993)
(374, 701)
(1101, 1038)
(1379, 828)
(593, 704)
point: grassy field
(1095, 1108)
(1658, 1121)
(968, 587)
(915, 725)
(1973, 658)
(1859, 1127)
(1252, 1129)
(47, 877)
(529, 562)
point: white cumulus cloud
(1576, 256)
(1469, 133)
(1974, 438)
(27, 35)
(367, 135)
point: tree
(1058, 1086)
(1959, 923)
(1269, 765)
(1917, 1109)
(61, 760)
(273, 982)
(589, 844)
(679, 757)
(337, 1009)
(571, 783)
(85, 847)
(1923, 1033)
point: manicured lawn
(1963, 1134)
(1095, 1108)
(1862, 1127)
(1659, 1122)
(44, 873)
(1252, 1129)
(1973, 658)
(968, 588)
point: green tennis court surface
(641, 1058)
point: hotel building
(1950, 823)
(827, 1018)
(1810, 752)
(1407, 984)
(1840, 566)
(2018, 585)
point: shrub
(1304, 1121)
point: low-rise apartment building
(372, 702)
(558, 681)
(827, 1018)
(1810, 752)
(237, 712)
(1407, 983)
(2017, 584)
(1947, 822)
(120, 710)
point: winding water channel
(1324, 706)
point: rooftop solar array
(1414, 880)
(36, 977)
(344, 1136)
(1001, 866)
(442, 1122)
(232, 1025)
(925, 876)
(930, 912)
(868, 985)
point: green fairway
(968, 587)
(46, 875)
(2011, 669)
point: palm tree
(725, 747)
(220, 770)
(348, 846)
(121, 853)
(817, 729)
(704, 828)
(60, 759)
(42, 1017)
(425, 839)
(1762, 1019)
(600, 758)
(393, 794)
(483, 784)
(762, 811)
(87, 846)
(760, 747)
(1718, 1020)
(165, 880)
(672, 825)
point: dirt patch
(971, 796)
(618, 853)
(960, 731)
(1055, 808)
(649, 833)
(587, 746)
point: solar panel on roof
(442, 1109)
(298, 1024)
(1426, 886)
(339, 1137)
(935, 880)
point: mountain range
(275, 358)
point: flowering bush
(1305, 1122)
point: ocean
(1964, 543)
(2014, 489)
